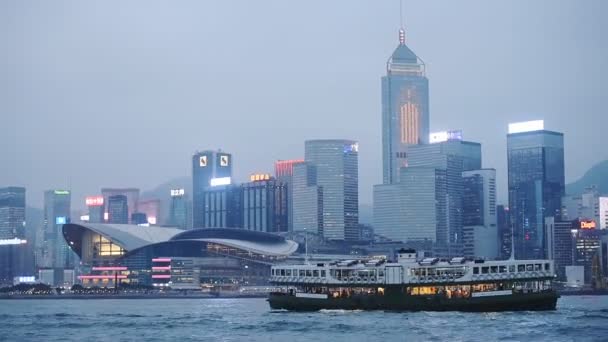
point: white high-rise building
(480, 231)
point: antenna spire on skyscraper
(401, 29)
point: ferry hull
(515, 302)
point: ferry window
(315, 273)
(547, 267)
(322, 273)
(475, 270)
(502, 269)
(512, 268)
(308, 273)
(494, 269)
(302, 273)
(288, 273)
(529, 267)
(521, 268)
(282, 272)
(272, 271)
(538, 267)
(485, 269)
(381, 273)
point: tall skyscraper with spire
(405, 108)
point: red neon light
(161, 260)
(94, 201)
(102, 277)
(161, 268)
(109, 268)
(285, 167)
(161, 276)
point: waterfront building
(405, 108)
(559, 244)
(55, 252)
(536, 184)
(211, 258)
(140, 219)
(602, 256)
(337, 174)
(603, 212)
(151, 208)
(208, 168)
(307, 200)
(96, 206)
(585, 205)
(179, 211)
(590, 205)
(586, 241)
(132, 195)
(118, 209)
(223, 206)
(503, 223)
(449, 158)
(283, 171)
(408, 211)
(480, 231)
(16, 252)
(265, 204)
(428, 203)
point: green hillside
(595, 176)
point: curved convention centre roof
(133, 237)
(127, 236)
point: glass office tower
(56, 252)
(207, 165)
(405, 108)
(15, 250)
(536, 185)
(336, 165)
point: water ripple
(577, 319)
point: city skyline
(495, 92)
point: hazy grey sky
(121, 93)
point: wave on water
(339, 311)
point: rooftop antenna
(401, 30)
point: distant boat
(410, 284)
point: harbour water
(578, 318)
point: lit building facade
(118, 209)
(536, 184)
(336, 164)
(132, 195)
(55, 252)
(265, 204)
(151, 208)
(15, 250)
(179, 209)
(283, 171)
(480, 231)
(171, 257)
(405, 108)
(503, 223)
(207, 165)
(96, 206)
(586, 242)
